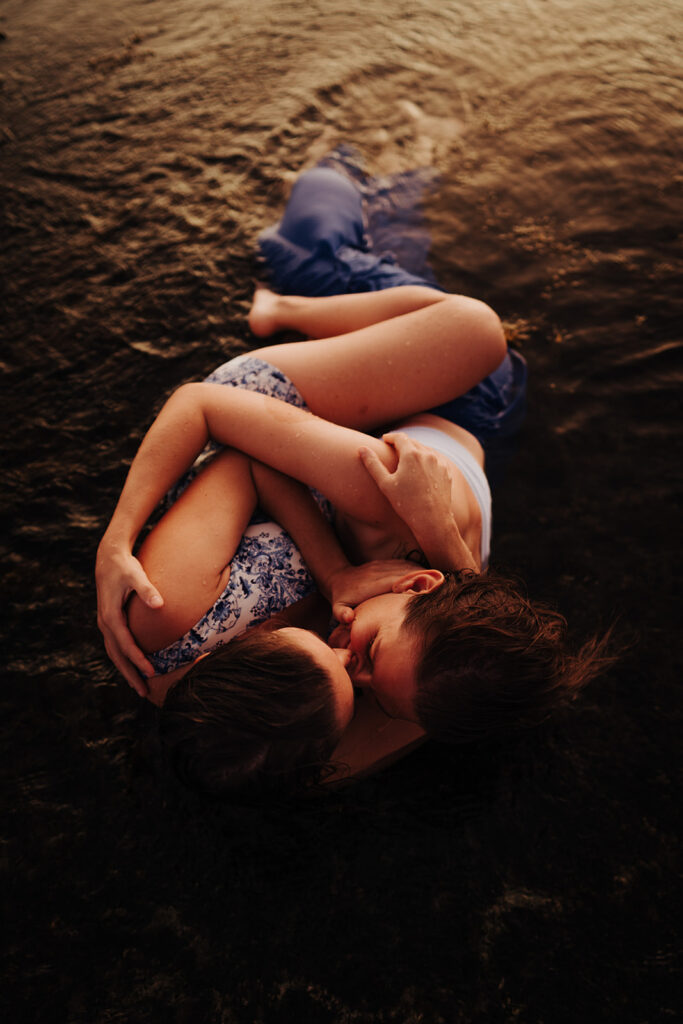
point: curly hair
(492, 661)
(254, 718)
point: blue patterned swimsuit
(267, 573)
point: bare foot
(263, 313)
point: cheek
(346, 700)
(386, 683)
(379, 685)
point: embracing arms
(314, 451)
(287, 438)
(188, 556)
(342, 584)
(318, 453)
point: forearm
(168, 449)
(445, 547)
(293, 507)
(312, 450)
(309, 449)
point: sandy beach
(144, 146)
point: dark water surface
(144, 145)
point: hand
(354, 584)
(420, 490)
(118, 573)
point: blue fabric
(495, 407)
(321, 247)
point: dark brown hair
(493, 662)
(255, 717)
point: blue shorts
(320, 247)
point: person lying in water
(452, 651)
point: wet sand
(143, 148)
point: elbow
(189, 395)
(187, 407)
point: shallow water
(143, 148)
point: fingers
(150, 595)
(128, 669)
(397, 439)
(127, 657)
(133, 679)
(405, 445)
(343, 613)
(374, 466)
(117, 575)
(134, 655)
(140, 583)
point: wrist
(447, 549)
(437, 533)
(332, 578)
(117, 540)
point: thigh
(400, 366)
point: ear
(418, 582)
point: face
(334, 662)
(384, 656)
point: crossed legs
(378, 356)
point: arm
(186, 557)
(295, 442)
(169, 448)
(342, 584)
(420, 491)
(291, 505)
(118, 574)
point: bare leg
(388, 369)
(336, 314)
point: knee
(487, 332)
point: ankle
(265, 316)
